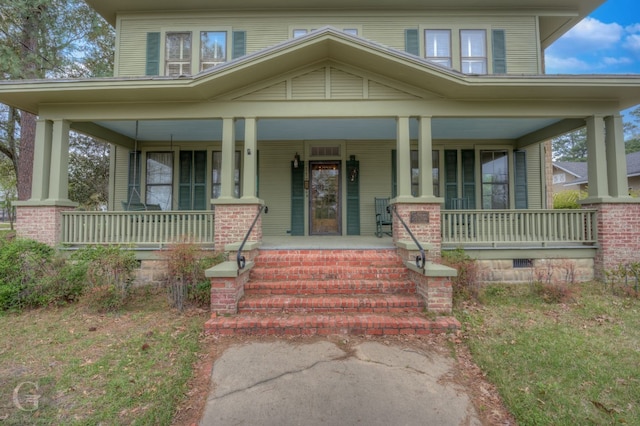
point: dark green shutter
(133, 192)
(469, 177)
(239, 41)
(411, 42)
(353, 198)
(450, 176)
(184, 185)
(199, 180)
(153, 54)
(297, 199)
(520, 164)
(394, 174)
(499, 52)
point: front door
(324, 199)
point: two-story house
(316, 108)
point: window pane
(473, 49)
(159, 167)
(352, 31)
(178, 46)
(213, 48)
(438, 46)
(299, 33)
(495, 179)
(415, 173)
(160, 194)
(216, 172)
(435, 170)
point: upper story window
(178, 53)
(213, 49)
(438, 47)
(473, 51)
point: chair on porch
(383, 216)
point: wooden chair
(383, 216)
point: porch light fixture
(296, 161)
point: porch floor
(326, 242)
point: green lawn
(559, 364)
(126, 368)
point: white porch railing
(537, 227)
(137, 228)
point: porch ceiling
(329, 129)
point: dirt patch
(467, 375)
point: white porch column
(403, 159)
(59, 171)
(250, 159)
(227, 178)
(597, 158)
(616, 157)
(425, 154)
(41, 160)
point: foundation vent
(522, 263)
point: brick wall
(436, 291)
(40, 223)
(424, 232)
(226, 292)
(618, 235)
(233, 221)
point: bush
(466, 285)
(624, 280)
(186, 282)
(109, 272)
(568, 199)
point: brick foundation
(618, 235)
(436, 291)
(40, 223)
(424, 232)
(233, 221)
(226, 292)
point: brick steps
(329, 287)
(327, 304)
(325, 324)
(320, 292)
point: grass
(561, 364)
(126, 368)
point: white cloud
(632, 43)
(594, 34)
(635, 28)
(617, 61)
(572, 65)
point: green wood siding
(297, 199)
(266, 29)
(499, 50)
(153, 54)
(353, 199)
(535, 173)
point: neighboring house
(318, 107)
(573, 175)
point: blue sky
(606, 42)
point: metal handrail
(239, 257)
(421, 260)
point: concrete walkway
(322, 383)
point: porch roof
(325, 44)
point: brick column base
(618, 235)
(425, 226)
(436, 291)
(40, 223)
(226, 292)
(232, 223)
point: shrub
(624, 280)
(466, 285)
(108, 271)
(186, 282)
(568, 199)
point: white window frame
(183, 63)
(435, 58)
(212, 64)
(456, 52)
(195, 43)
(305, 29)
(466, 56)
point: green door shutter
(297, 199)
(394, 174)
(520, 165)
(353, 198)
(499, 50)
(412, 42)
(239, 41)
(184, 184)
(153, 54)
(469, 177)
(450, 176)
